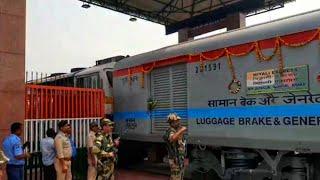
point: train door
(169, 89)
(108, 89)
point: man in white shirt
(92, 159)
(48, 154)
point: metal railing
(33, 169)
(35, 130)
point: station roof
(179, 14)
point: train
(99, 76)
(250, 99)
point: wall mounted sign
(272, 81)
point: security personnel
(63, 148)
(13, 149)
(92, 158)
(176, 146)
(105, 149)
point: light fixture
(133, 19)
(85, 5)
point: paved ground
(138, 175)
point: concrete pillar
(12, 63)
(183, 35)
(235, 21)
(232, 21)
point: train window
(80, 82)
(87, 82)
(110, 78)
(91, 81)
(94, 81)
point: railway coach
(249, 97)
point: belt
(65, 159)
(14, 165)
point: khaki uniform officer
(92, 158)
(63, 148)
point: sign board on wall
(271, 81)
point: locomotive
(250, 99)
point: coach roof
(285, 26)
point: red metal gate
(46, 105)
(51, 102)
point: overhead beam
(170, 12)
(270, 6)
(186, 7)
(232, 21)
(166, 6)
(124, 2)
(192, 8)
(132, 11)
(218, 14)
(211, 13)
(173, 7)
(222, 3)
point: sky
(61, 35)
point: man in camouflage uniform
(105, 149)
(176, 146)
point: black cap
(93, 124)
(62, 123)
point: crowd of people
(58, 150)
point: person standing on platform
(176, 146)
(12, 148)
(73, 144)
(49, 154)
(63, 148)
(92, 158)
(106, 150)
